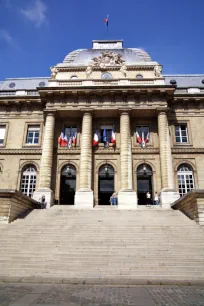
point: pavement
(20, 294)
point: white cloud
(4, 35)
(8, 39)
(36, 13)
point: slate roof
(185, 80)
(23, 83)
(82, 57)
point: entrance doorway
(67, 185)
(105, 184)
(144, 183)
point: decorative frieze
(20, 151)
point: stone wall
(13, 204)
(192, 205)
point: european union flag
(104, 135)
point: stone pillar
(46, 162)
(168, 194)
(84, 196)
(126, 196)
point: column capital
(162, 110)
(50, 112)
(126, 111)
(87, 110)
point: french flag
(95, 140)
(62, 140)
(106, 20)
(139, 140)
(147, 138)
(113, 137)
(74, 139)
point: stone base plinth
(127, 199)
(83, 199)
(48, 193)
(168, 197)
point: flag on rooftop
(106, 20)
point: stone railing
(99, 82)
(192, 205)
(13, 204)
(20, 93)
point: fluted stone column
(126, 196)
(84, 196)
(46, 162)
(168, 193)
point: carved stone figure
(54, 71)
(123, 69)
(157, 71)
(107, 58)
(89, 70)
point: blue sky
(37, 34)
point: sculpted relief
(107, 58)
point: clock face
(106, 76)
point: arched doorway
(105, 184)
(144, 183)
(68, 185)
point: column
(126, 196)
(84, 196)
(168, 193)
(46, 162)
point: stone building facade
(108, 91)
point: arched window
(144, 170)
(69, 171)
(28, 180)
(185, 179)
(106, 170)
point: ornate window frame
(188, 176)
(31, 175)
(32, 123)
(136, 123)
(173, 132)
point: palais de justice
(105, 120)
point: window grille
(181, 133)
(28, 181)
(70, 131)
(33, 134)
(185, 179)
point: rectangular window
(2, 134)
(70, 131)
(181, 133)
(105, 133)
(33, 134)
(143, 131)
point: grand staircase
(102, 246)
